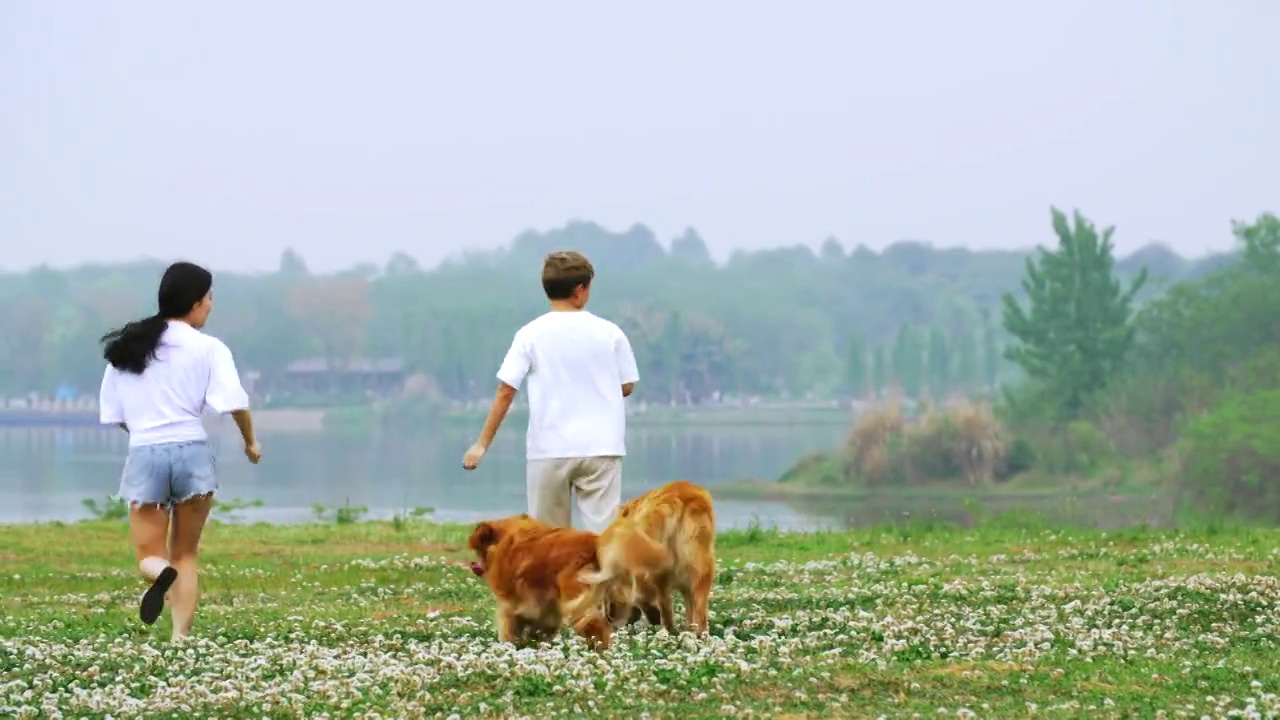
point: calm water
(46, 473)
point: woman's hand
(253, 452)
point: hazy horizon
(225, 134)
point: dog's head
(486, 536)
(620, 601)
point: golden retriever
(661, 541)
(533, 569)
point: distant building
(369, 377)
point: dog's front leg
(508, 625)
(665, 608)
(596, 630)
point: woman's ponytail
(132, 347)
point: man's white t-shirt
(191, 370)
(576, 364)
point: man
(579, 368)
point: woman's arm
(226, 395)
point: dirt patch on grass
(344, 549)
(1197, 565)
(412, 609)
(959, 669)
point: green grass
(368, 619)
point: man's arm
(626, 363)
(497, 413)
(515, 366)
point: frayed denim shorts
(166, 474)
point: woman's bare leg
(188, 524)
(148, 528)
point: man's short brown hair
(563, 272)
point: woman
(162, 373)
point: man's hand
(471, 460)
(253, 452)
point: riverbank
(755, 489)
(709, 416)
(383, 619)
(361, 416)
(1086, 506)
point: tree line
(1120, 386)
(1185, 389)
(788, 322)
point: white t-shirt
(191, 370)
(576, 364)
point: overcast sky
(226, 131)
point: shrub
(867, 449)
(1230, 457)
(1022, 457)
(962, 441)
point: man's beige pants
(596, 482)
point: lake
(46, 473)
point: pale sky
(224, 132)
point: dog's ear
(484, 535)
(524, 515)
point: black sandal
(153, 598)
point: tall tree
(990, 352)
(335, 310)
(1261, 241)
(908, 361)
(939, 363)
(879, 371)
(855, 365)
(964, 346)
(1077, 327)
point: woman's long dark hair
(132, 347)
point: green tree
(990, 352)
(1077, 327)
(908, 361)
(967, 375)
(1261, 241)
(855, 365)
(879, 371)
(939, 362)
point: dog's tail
(625, 549)
(622, 552)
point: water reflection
(47, 472)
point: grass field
(381, 620)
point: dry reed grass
(962, 440)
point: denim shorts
(168, 473)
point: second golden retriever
(661, 541)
